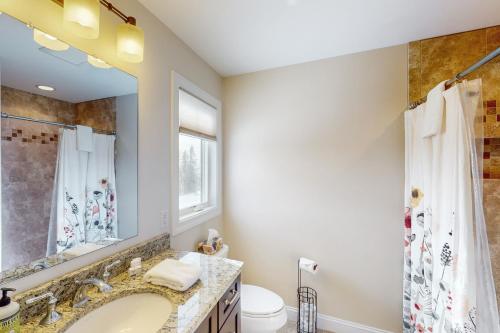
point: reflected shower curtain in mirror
(100, 208)
(84, 199)
(448, 283)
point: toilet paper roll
(308, 265)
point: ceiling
(241, 36)
(24, 64)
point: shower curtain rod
(461, 75)
(54, 123)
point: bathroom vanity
(210, 305)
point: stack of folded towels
(174, 274)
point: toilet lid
(259, 301)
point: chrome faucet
(81, 298)
(40, 265)
(107, 274)
(52, 315)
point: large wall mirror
(68, 151)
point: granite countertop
(189, 308)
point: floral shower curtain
(448, 284)
(84, 196)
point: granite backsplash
(64, 287)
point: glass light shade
(96, 62)
(49, 41)
(130, 43)
(81, 17)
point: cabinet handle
(228, 302)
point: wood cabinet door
(233, 321)
(209, 325)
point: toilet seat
(260, 302)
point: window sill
(194, 219)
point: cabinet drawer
(228, 301)
(233, 321)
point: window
(196, 155)
(193, 174)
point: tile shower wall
(29, 152)
(431, 61)
(28, 166)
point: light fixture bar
(111, 8)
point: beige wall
(314, 167)
(163, 52)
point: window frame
(188, 219)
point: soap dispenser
(9, 313)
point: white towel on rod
(84, 139)
(434, 111)
(174, 274)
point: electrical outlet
(164, 218)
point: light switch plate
(164, 218)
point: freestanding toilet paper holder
(307, 298)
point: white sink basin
(142, 313)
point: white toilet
(262, 311)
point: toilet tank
(224, 252)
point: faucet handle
(52, 315)
(107, 268)
(49, 295)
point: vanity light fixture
(49, 41)
(130, 42)
(45, 88)
(99, 63)
(82, 18)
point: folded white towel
(434, 110)
(173, 274)
(81, 250)
(84, 138)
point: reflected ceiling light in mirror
(49, 41)
(130, 42)
(96, 62)
(45, 88)
(81, 17)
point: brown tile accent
(30, 138)
(491, 104)
(493, 39)
(486, 155)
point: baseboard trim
(336, 325)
